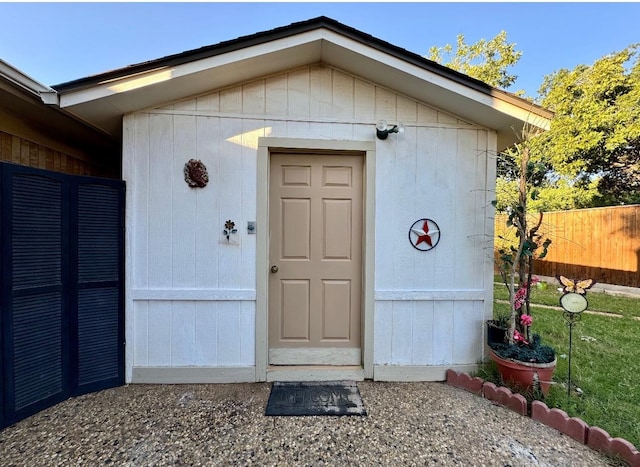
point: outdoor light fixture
(383, 130)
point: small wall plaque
(229, 228)
(195, 174)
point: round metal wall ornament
(424, 234)
(195, 174)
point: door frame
(266, 145)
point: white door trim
(265, 147)
(315, 356)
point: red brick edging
(594, 437)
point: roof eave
(172, 78)
(24, 98)
(21, 80)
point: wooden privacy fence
(598, 243)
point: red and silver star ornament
(424, 234)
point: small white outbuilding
(359, 248)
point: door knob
(274, 269)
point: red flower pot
(521, 375)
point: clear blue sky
(59, 42)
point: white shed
(329, 271)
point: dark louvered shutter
(37, 301)
(99, 284)
(37, 348)
(61, 288)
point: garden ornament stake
(573, 302)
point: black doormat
(315, 398)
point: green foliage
(501, 318)
(487, 61)
(535, 352)
(604, 366)
(591, 155)
(602, 302)
(595, 134)
(553, 195)
(604, 361)
(523, 243)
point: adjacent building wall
(37, 135)
(23, 151)
(191, 294)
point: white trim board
(315, 373)
(429, 295)
(315, 356)
(193, 375)
(287, 118)
(204, 375)
(194, 294)
(418, 373)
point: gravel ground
(224, 424)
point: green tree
(557, 195)
(486, 60)
(595, 134)
(591, 154)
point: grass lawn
(605, 359)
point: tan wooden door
(315, 235)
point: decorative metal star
(423, 234)
(424, 231)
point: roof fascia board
(531, 115)
(25, 83)
(495, 100)
(408, 67)
(139, 80)
(436, 68)
(283, 32)
(286, 32)
(500, 101)
(240, 43)
(17, 77)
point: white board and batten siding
(430, 306)
(191, 294)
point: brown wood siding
(24, 152)
(598, 243)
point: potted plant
(523, 361)
(498, 327)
